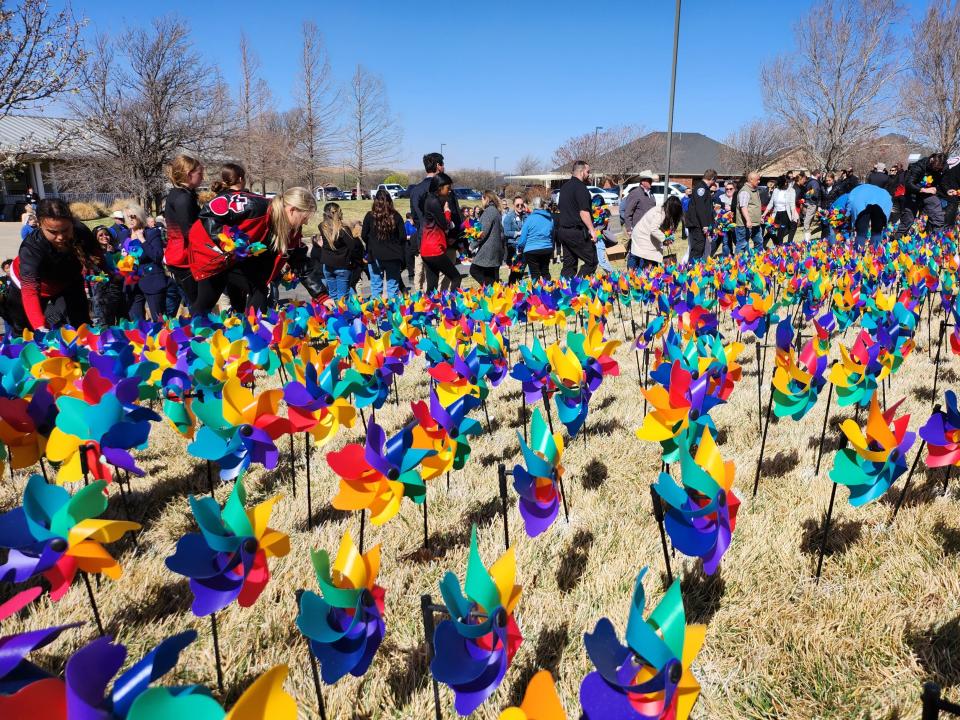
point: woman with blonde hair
(180, 210)
(151, 288)
(240, 243)
(490, 248)
(337, 253)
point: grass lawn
(883, 619)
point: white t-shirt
(783, 200)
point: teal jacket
(537, 233)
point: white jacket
(647, 238)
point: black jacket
(180, 210)
(880, 179)
(915, 174)
(699, 212)
(346, 253)
(391, 247)
(831, 193)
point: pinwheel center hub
(676, 672)
(366, 599)
(895, 455)
(694, 414)
(250, 546)
(500, 618)
(722, 499)
(328, 399)
(393, 474)
(547, 368)
(453, 433)
(473, 379)
(246, 430)
(58, 545)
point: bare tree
(616, 152)
(41, 55)
(754, 145)
(476, 178)
(835, 86)
(931, 94)
(317, 103)
(141, 100)
(371, 132)
(529, 165)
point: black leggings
(539, 263)
(241, 292)
(434, 267)
(186, 282)
(136, 301)
(484, 275)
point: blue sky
(505, 79)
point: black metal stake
(523, 413)
(763, 444)
(826, 531)
(306, 444)
(658, 516)
(426, 609)
(363, 523)
(936, 362)
(823, 430)
(502, 477)
(946, 479)
(759, 388)
(906, 484)
(426, 536)
(293, 467)
(216, 652)
(486, 414)
(313, 667)
(546, 406)
(93, 603)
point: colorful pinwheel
(649, 678)
(54, 534)
(445, 431)
(537, 484)
(378, 475)
(540, 701)
(942, 434)
(473, 649)
(317, 400)
(702, 514)
(680, 404)
(345, 626)
(227, 559)
(876, 460)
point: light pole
(495, 158)
(596, 129)
(673, 91)
(442, 146)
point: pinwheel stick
(216, 652)
(93, 603)
(906, 484)
(936, 362)
(306, 445)
(427, 608)
(546, 406)
(658, 516)
(502, 473)
(486, 414)
(759, 387)
(362, 528)
(826, 531)
(763, 443)
(933, 703)
(823, 430)
(313, 667)
(293, 467)
(426, 536)
(523, 413)
(946, 479)
(43, 469)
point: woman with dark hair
(180, 210)
(437, 224)
(384, 236)
(107, 295)
(490, 249)
(48, 273)
(651, 233)
(151, 288)
(241, 241)
(783, 208)
(338, 254)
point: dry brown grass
(885, 617)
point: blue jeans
(634, 262)
(393, 269)
(747, 236)
(602, 256)
(727, 241)
(338, 281)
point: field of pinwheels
(248, 493)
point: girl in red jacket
(241, 241)
(436, 225)
(180, 211)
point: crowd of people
(245, 245)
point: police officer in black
(575, 231)
(699, 216)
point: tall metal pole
(673, 92)
(442, 145)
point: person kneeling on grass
(489, 251)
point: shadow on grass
(594, 475)
(937, 648)
(923, 393)
(158, 603)
(325, 514)
(779, 465)
(549, 650)
(481, 515)
(702, 594)
(842, 536)
(930, 490)
(411, 671)
(574, 563)
(604, 403)
(949, 536)
(604, 427)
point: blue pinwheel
(537, 481)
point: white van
(392, 188)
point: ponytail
(230, 174)
(280, 227)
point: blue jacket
(511, 226)
(857, 200)
(25, 230)
(537, 233)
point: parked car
(393, 188)
(466, 194)
(364, 194)
(610, 196)
(330, 192)
(405, 193)
(676, 189)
